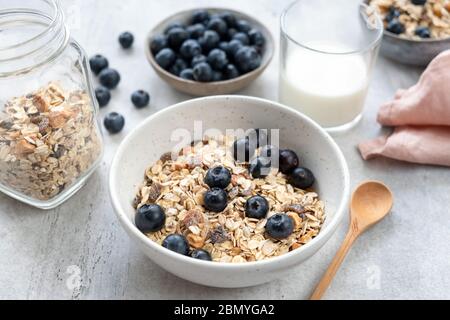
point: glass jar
(50, 141)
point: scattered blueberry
(158, 43)
(140, 99)
(187, 74)
(280, 226)
(260, 167)
(109, 78)
(165, 58)
(176, 243)
(247, 59)
(233, 47)
(178, 66)
(98, 63)
(103, 96)
(190, 48)
(176, 37)
(196, 31)
(200, 16)
(288, 161)
(198, 59)
(126, 40)
(218, 25)
(150, 218)
(218, 177)
(423, 32)
(231, 72)
(217, 59)
(114, 122)
(302, 178)
(395, 27)
(269, 151)
(209, 41)
(229, 18)
(256, 38)
(201, 255)
(173, 25)
(215, 200)
(243, 26)
(257, 207)
(203, 72)
(244, 149)
(419, 2)
(242, 37)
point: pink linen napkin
(421, 115)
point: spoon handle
(323, 285)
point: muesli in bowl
(228, 200)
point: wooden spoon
(371, 202)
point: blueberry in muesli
(215, 200)
(242, 37)
(395, 26)
(140, 99)
(109, 78)
(176, 243)
(302, 178)
(260, 167)
(103, 96)
(423, 32)
(269, 151)
(98, 63)
(176, 37)
(257, 207)
(218, 177)
(165, 58)
(201, 255)
(190, 48)
(126, 40)
(288, 161)
(419, 2)
(187, 74)
(244, 149)
(280, 226)
(217, 59)
(114, 122)
(392, 14)
(203, 72)
(150, 218)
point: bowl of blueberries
(209, 51)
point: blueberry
(198, 59)
(231, 72)
(176, 37)
(223, 46)
(203, 72)
(233, 47)
(229, 18)
(158, 43)
(176, 243)
(187, 74)
(423, 32)
(243, 26)
(140, 99)
(288, 161)
(260, 167)
(395, 27)
(217, 59)
(218, 177)
(126, 40)
(256, 38)
(150, 218)
(114, 122)
(419, 2)
(280, 226)
(215, 200)
(200, 16)
(242, 37)
(257, 207)
(302, 178)
(269, 151)
(98, 63)
(190, 48)
(218, 25)
(109, 78)
(231, 33)
(244, 149)
(209, 41)
(165, 58)
(247, 59)
(393, 13)
(196, 31)
(178, 66)
(201, 255)
(217, 76)
(261, 136)
(173, 25)
(103, 96)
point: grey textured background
(407, 256)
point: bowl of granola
(416, 31)
(213, 200)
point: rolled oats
(178, 186)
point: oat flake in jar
(50, 142)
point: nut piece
(196, 241)
(58, 119)
(24, 148)
(193, 218)
(297, 220)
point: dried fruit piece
(218, 235)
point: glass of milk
(328, 49)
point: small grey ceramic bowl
(152, 138)
(210, 88)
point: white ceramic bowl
(150, 140)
